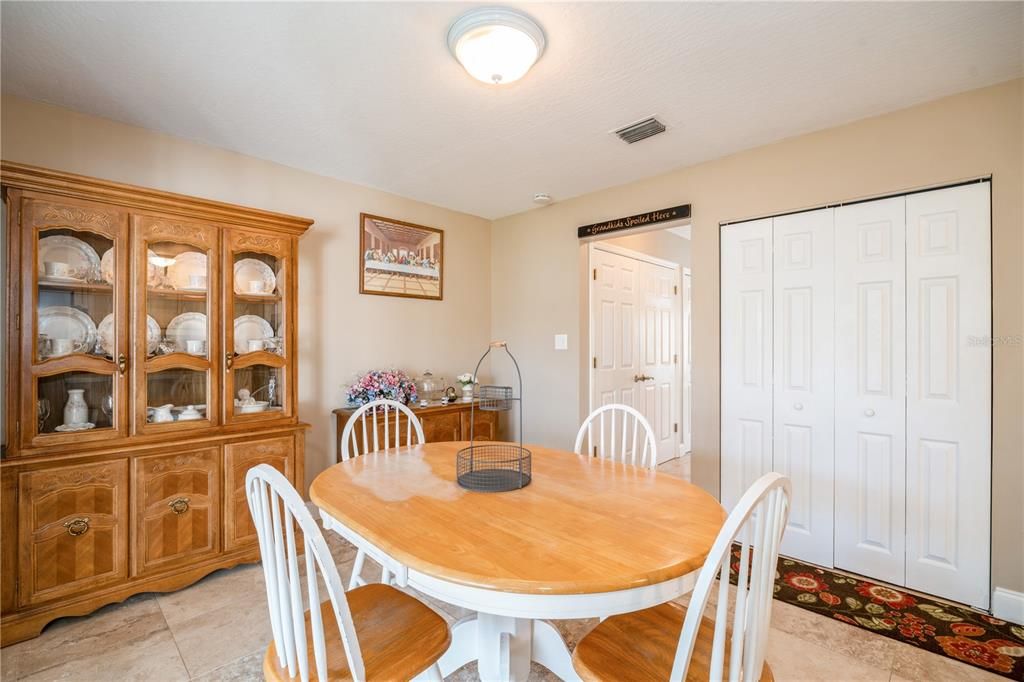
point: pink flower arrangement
(390, 384)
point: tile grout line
(192, 678)
(174, 638)
(822, 647)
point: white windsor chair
(645, 644)
(615, 421)
(373, 632)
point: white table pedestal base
(504, 647)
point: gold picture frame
(399, 258)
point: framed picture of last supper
(400, 259)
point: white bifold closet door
(949, 392)
(803, 394)
(746, 329)
(870, 356)
(855, 360)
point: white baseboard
(1008, 605)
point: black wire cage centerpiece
(495, 467)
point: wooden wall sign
(663, 215)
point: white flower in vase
(467, 380)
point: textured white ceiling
(367, 92)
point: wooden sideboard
(125, 501)
(440, 423)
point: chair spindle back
(359, 438)
(615, 440)
(756, 523)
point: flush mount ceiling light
(495, 44)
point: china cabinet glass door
(175, 322)
(74, 322)
(258, 326)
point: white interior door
(614, 328)
(804, 369)
(870, 436)
(659, 336)
(949, 391)
(687, 362)
(746, 332)
(634, 327)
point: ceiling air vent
(640, 130)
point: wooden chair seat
(399, 636)
(641, 646)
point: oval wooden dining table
(586, 538)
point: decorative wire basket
(495, 398)
(495, 467)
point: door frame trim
(653, 260)
(685, 445)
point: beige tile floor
(217, 630)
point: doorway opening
(639, 328)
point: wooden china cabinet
(150, 358)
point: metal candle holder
(494, 467)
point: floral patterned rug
(945, 629)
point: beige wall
(537, 283)
(341, 331)
(535, 274)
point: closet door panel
(870, 424)
(804, 369)
(746, 356)
(949, 318)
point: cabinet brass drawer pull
(180, 505)
(77, 526)
(122, 363)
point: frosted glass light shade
(496, 45)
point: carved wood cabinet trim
(145, 199)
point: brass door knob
(180, 505)
(122, 363)
(77, 526)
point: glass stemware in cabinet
(42, 413)
(258, 389)
(74, 401)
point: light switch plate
(561, 342)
